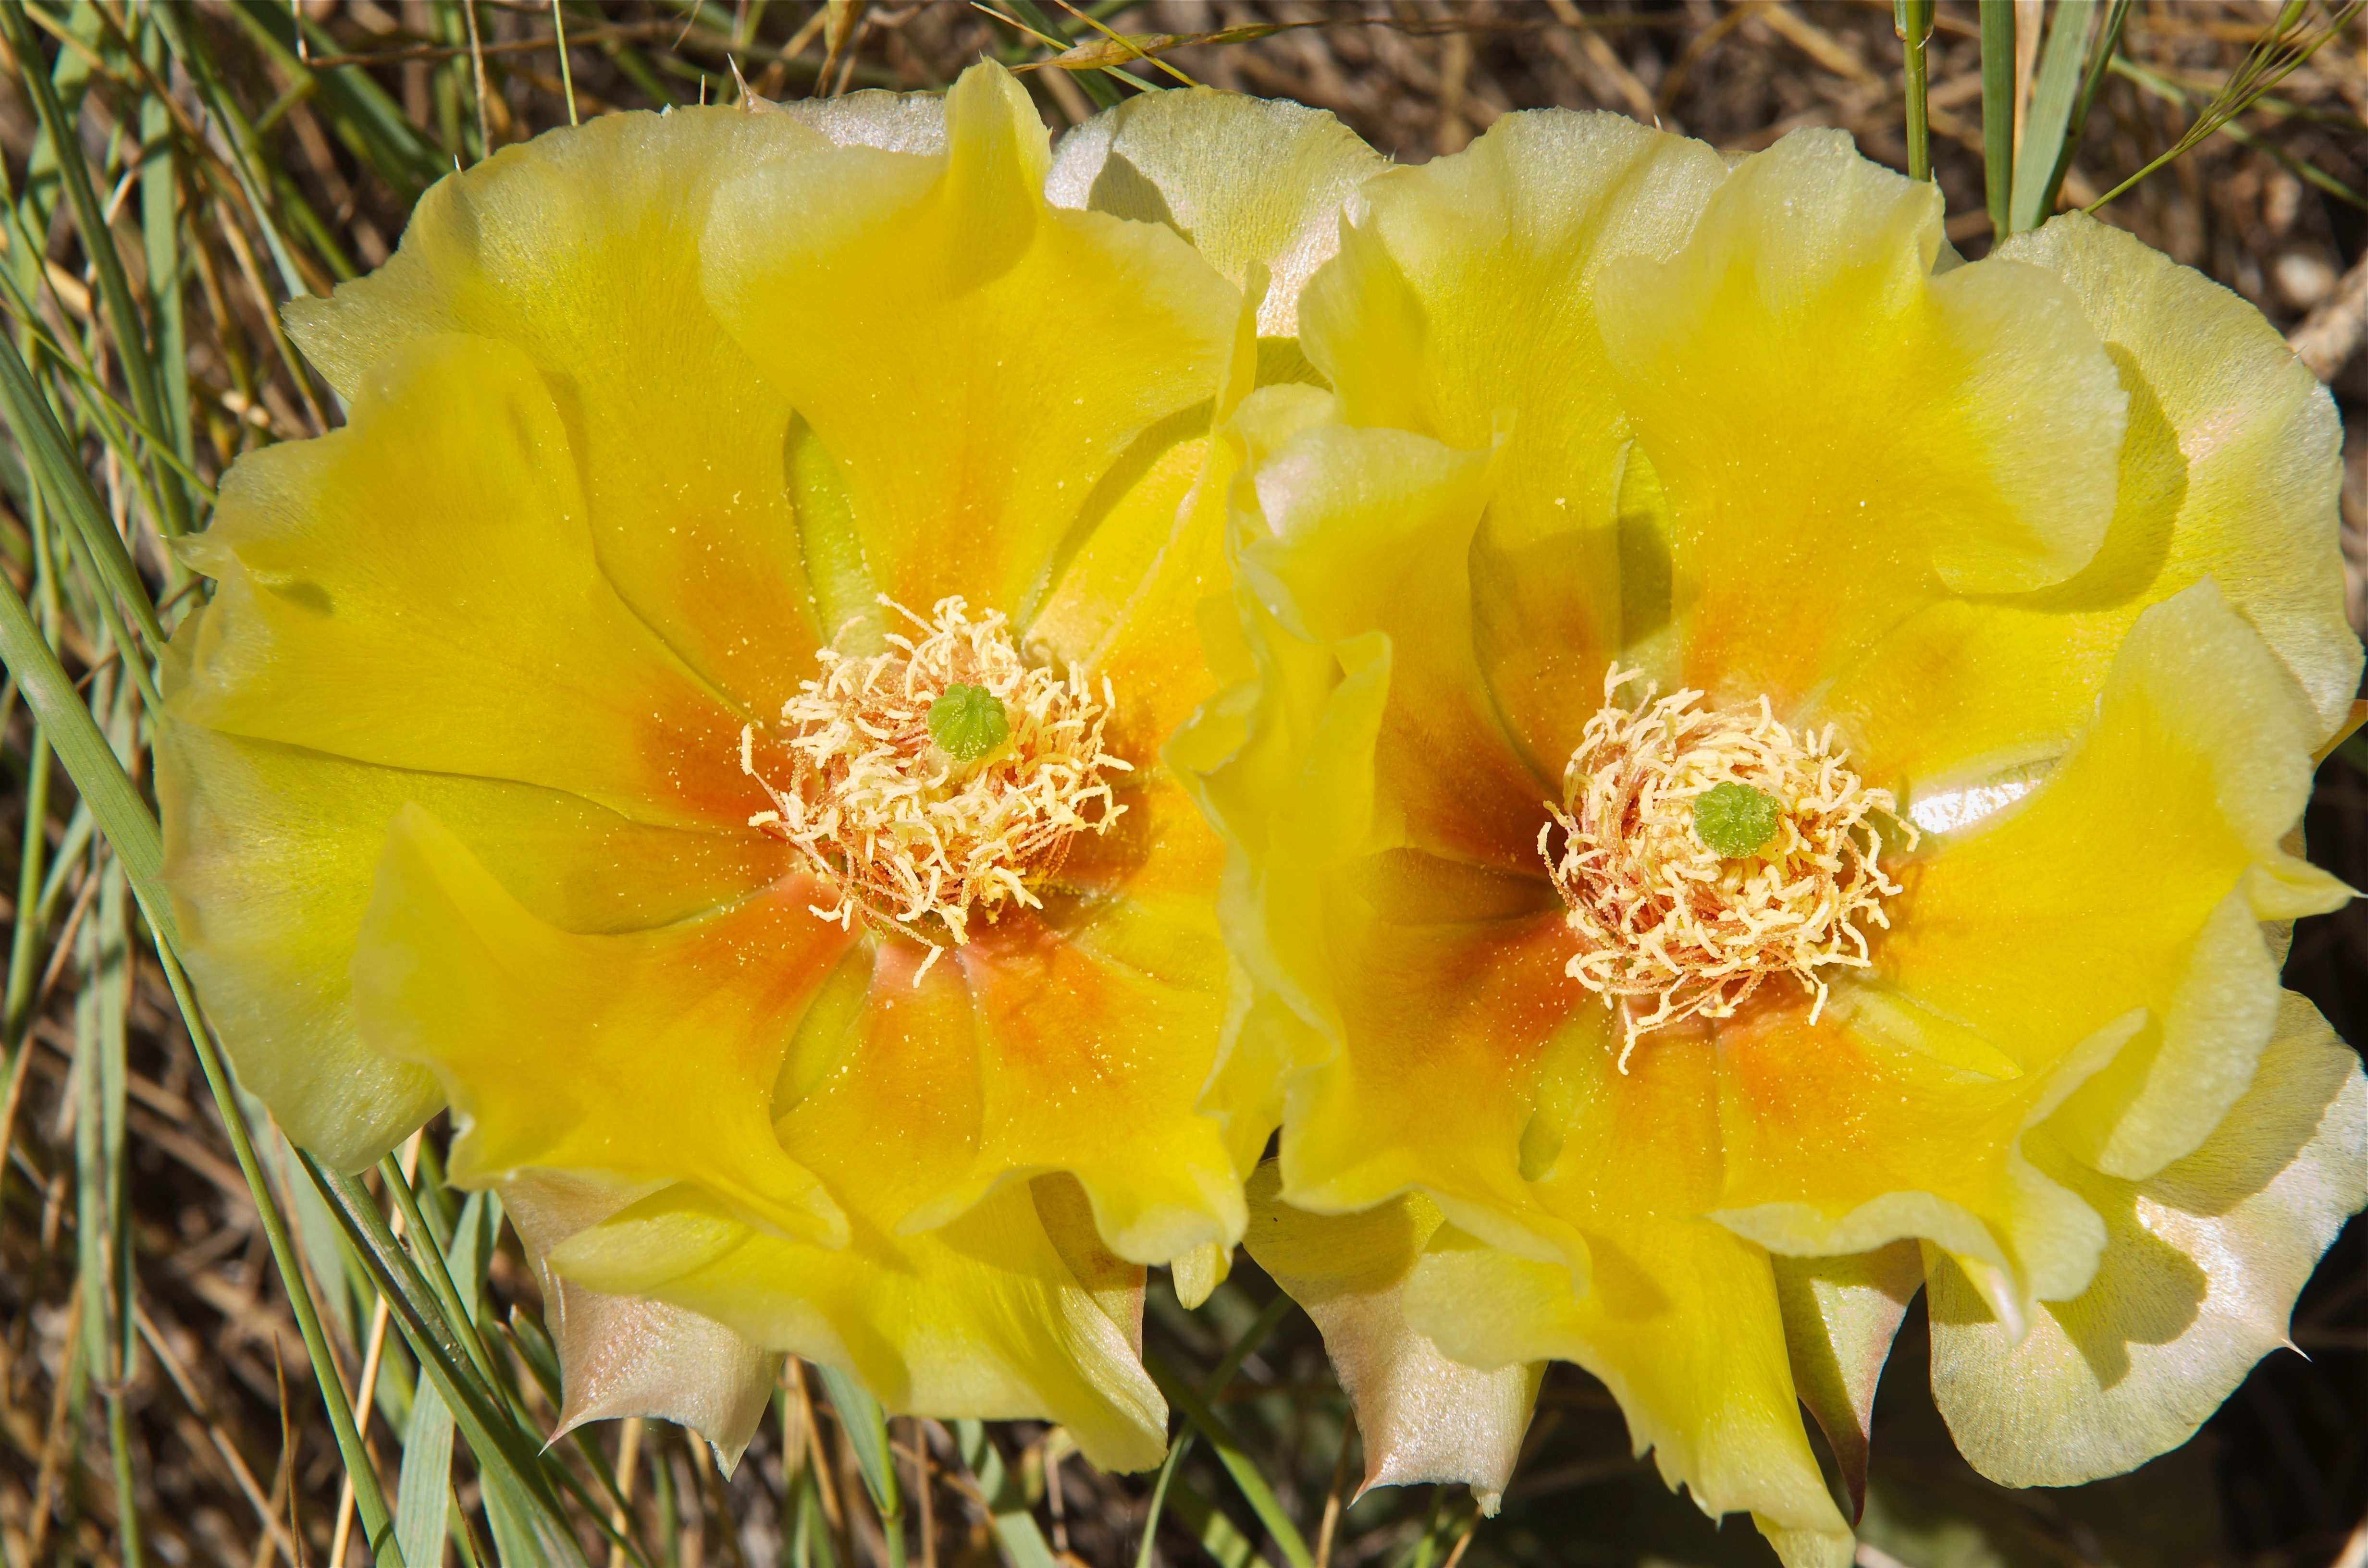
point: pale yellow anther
(908, 836)
(1660, 913)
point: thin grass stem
(1912, 19)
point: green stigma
(1734, 819)
(968, 722)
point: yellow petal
(972, 361)
(1115, 1284)
(984, 1317)
(1835, 1144)
(1421, 1416)
(1677, 1316)
(2259, 436)
(2152, 852)
(269, 854)
(1373, 528)
(1251, 182)
(637, 1058)
(581, 249)
(1124, 608)
(1395, 912)
(1197, 1274)
(419, 590)
(2229, 468)
(1464, 306)
(2201, 1268)
(1447, 1022)
(1681, 1323)
(1839, 431)
(2156, 842)
(1244, 774)
(1086, 1067)
(1073, 1041)
(1127, 604)
(621, 1356)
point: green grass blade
(1997, 114)
(1015, 1526)
(1145, 1556)
(459, 1316)
(188, 46)
(1225, 1544)
(808, 1533)
(111, 418)
(119, 636)
(89, 761)
(97, 1081)
(2309, 174)
(370, 1503)
(160, 232)
(1237, 1460)
(51, 463)
(867, 1432)
(441, 1330)
(2054, 93)
(357, 111)
(423, 1491)
(394, 1270)
(24, 942)
(516, 1540)
(131, 335)
(1214, 1384)
(2100, 59)
(509, 1466)
(109, 983)
(1247, 1345)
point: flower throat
(1703, 851)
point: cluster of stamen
(909, 835)
(1662, 915)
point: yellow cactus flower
(702, 719)
(1759, 777)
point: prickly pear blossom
(702, 720)
(1759, 777)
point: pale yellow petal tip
(2198, 1282)
(1818, 1549)
(1200, 1271)
(1257, 185)
(619, 1355)
(891, 122)
(1424, 1417)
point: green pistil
(1734, 819)
(968, 722)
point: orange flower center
(1703, 851)
(944, 778)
